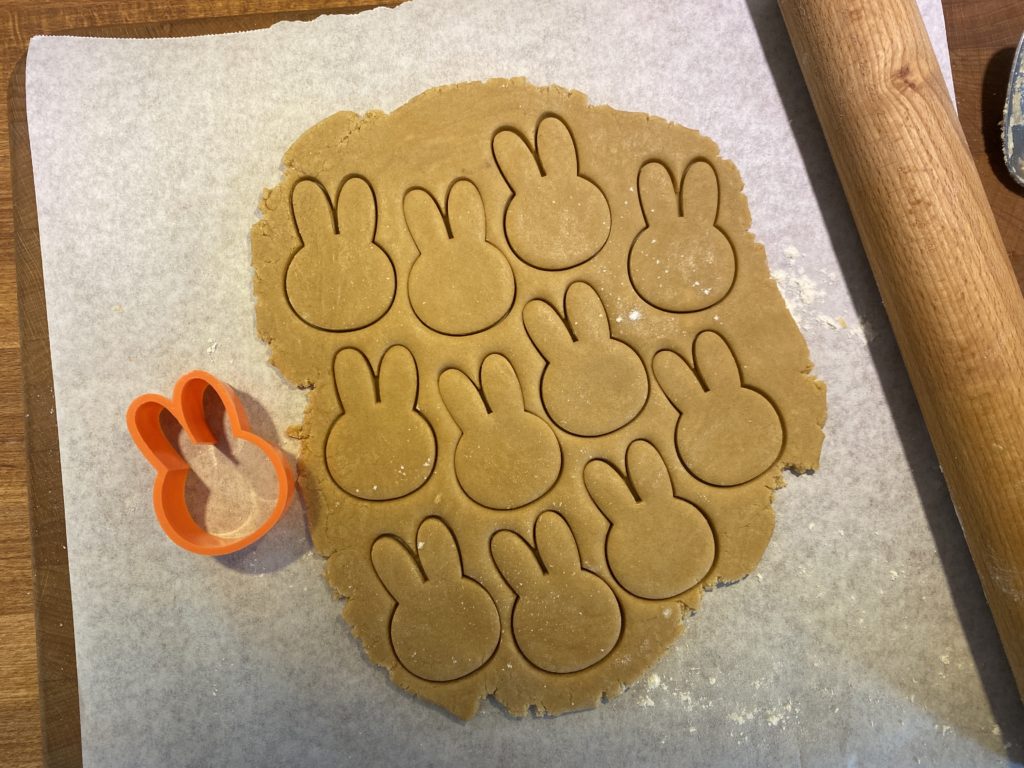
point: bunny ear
(311, 206)
(516, 561)
(501, 385)
(396, 568)
(556, 545)
(648, 471)
(466, 211)
(699, 194)
(398, 379)
(555, 148)
(353, 378)
(424, 220)
(608, 490)
(439, 554)
(715, 362)
(676, 379)
(546, 329)
(357, 210)
(586, 313)
(461, 399)
(658, 197)
(515, 159)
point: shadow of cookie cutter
(186, 406)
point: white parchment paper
(863, 638)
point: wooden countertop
(982, 37)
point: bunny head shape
(380, 447)
(557, 219)
(460, 284)
(653, 521)
(445, 626)
(169, 490)
(727, 434)
(681, 262)
(507, 456)
(340, 279)
(565, 618)
(585, 365)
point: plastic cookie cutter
(186, 406)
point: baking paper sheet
(862, 639)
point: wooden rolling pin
(940, 264)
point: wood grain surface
(980, 31)
(937, 255)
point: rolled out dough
(553, 385)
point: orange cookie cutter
(186, 406)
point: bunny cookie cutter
(169, 503)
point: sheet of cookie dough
(552, 384)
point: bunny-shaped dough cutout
(507, 456)
(565, 618)
(557, 219)
(593, 384)
(681, 262)
(460, 284)
(727, 434)
(659, 545)
(445, 625)
(380, 447)
(340, 279)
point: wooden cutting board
(35, 616)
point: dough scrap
(552, 384)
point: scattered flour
(777, 716)
(804, 293)
(656, 691)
